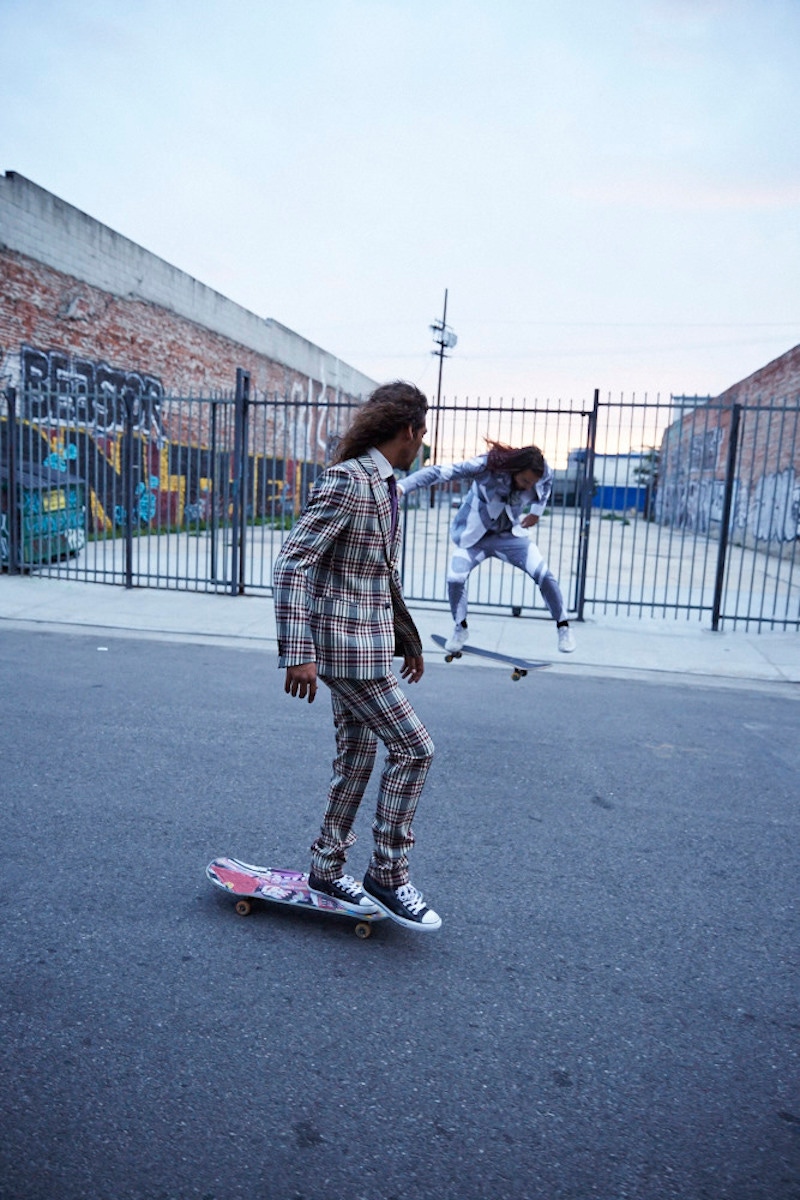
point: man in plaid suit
(341, 617)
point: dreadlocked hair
(390, 408)
(507, 458)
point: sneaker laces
(410, 898)
(347, 884)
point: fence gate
(189, 493)
(679, 508)
(457, 432)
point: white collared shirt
(385, 468)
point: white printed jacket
(492, 503)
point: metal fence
(678, 508)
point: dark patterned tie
(391, 483)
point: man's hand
(529, 520)
(302, 681)
(413, 668)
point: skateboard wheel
(363, 930)
(449, 657)
(515, 675)
(243, 908)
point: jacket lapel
(382, 504)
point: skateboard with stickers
(248, 885)
(520, 666)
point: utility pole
(445, 339)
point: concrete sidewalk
(610, 646)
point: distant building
(694, 465)
(620, 479)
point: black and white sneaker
(403, 904)
(346, 890)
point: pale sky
(609, 192)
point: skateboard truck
(520, 666)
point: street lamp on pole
(444, 339)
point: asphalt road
(609, 1011)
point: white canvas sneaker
(566, 642)
(457, 639)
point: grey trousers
(519, 552)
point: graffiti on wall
(76, 411)
(176, 464)
(57, 386)
(774, 510)
(704, 449)
(692, 504)
(691, 487)
(769, 511)
(314, 422)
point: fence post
(240, 474)
(127, 460)
(13, 514)
(727, 504)
(212, 520)
(587, 493)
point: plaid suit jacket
(338, 597)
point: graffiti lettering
(58, 387)
(771, 509)
(703, 448)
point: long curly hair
(513, 460)
(390, 408)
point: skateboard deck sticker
(269, 883)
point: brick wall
(778, 381)
(71, 284)
(89, 322)
(52, 312)
(766, 493)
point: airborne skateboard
(276, 886)
(521, 666)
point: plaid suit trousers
(365, 710)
